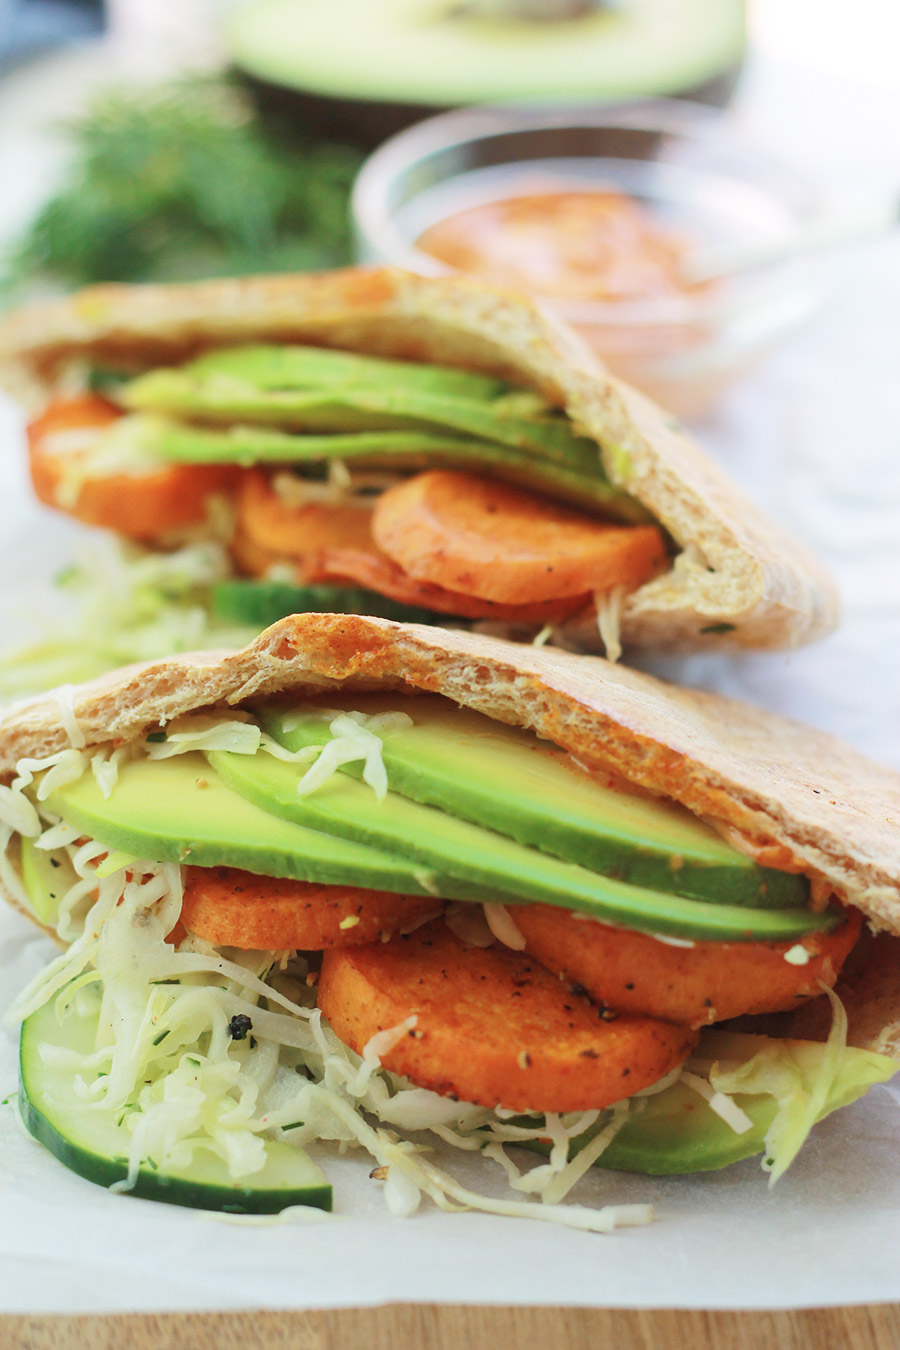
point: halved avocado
(365, 70)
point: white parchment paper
(816, 438)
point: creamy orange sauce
(577, 245)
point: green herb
(184, 181)
(719, 628)
(161, 1037)
(155, 737)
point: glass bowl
(681, 162)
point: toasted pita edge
(738, 582)
(775, 780)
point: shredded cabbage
(807, 1079)
(354, 737)
(609, 605)
(120, 604)
(168, 1069)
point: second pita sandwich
(423, 449)
(364, 885)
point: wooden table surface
(450, 1327)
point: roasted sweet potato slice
(492, 1026)
(378, 573)
(147, 504)
(504, 544)
(240, 909)
(706, 982)
(298, 532)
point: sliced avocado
(677, 1132)
(289, 367)
(245, 600)
(508, 780)
(178, 810)
(510, 420)
(167, 439)
(459, 854)
(46, 876)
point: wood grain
(449, 1327)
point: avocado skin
(467, 862)
(505, 779)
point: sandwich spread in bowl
(395, 888)
(370, 441)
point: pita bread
(735, 568)
(780, 783)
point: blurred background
(707, 189)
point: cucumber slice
(243, 600)
(90, 1142)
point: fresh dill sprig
(184, 181)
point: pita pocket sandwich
(416, 448)
(395, 888)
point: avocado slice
(271, 367)
(508, 780)
(46, 876)
(178, 810)
(246, 600)
(519, 419)
(458, 854)
(167, 439)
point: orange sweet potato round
(378, 573)
(708, 982)
(504, 544)
(493, 1027)
(240, 909)
(147, 505)
(298, 532)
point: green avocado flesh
(165, 439)
(244, 600)
(292, 404)
(357, 409)
(245, 811)
(92, 1143)
(443, 52)
(508, 780)
(460, 855)
(159, 811)
(46, 877)
(676, 1131)
(288, 367)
